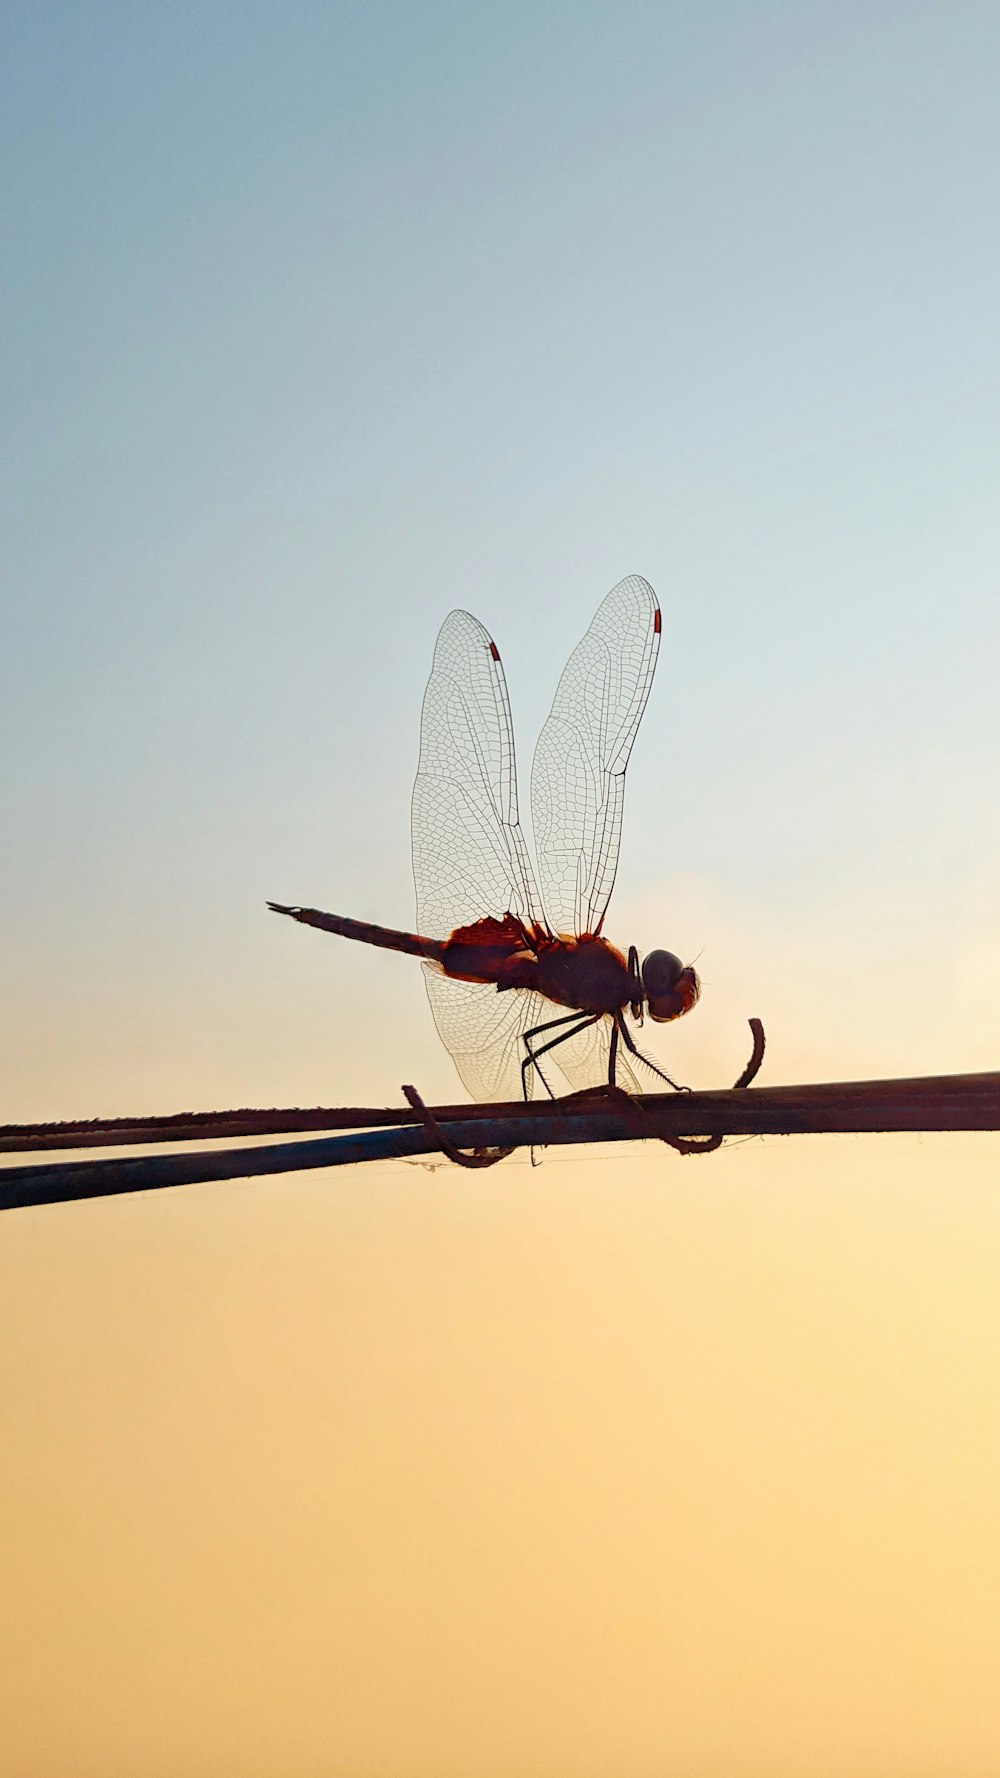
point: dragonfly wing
(483, 1031)
(584, 1060)
(469, 853)
(578, 774)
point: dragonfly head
(670, 988)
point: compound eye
(661, 972)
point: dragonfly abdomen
(365, 932)
(500, 951)
(583, 973)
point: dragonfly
(504, 942)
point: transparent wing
(578, 774)
(483, 1031)
(584, 1060)
(469, 854)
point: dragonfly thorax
(586, 973)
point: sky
(318, 321)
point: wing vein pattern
(578, 774)
(583, 1059)
(470, 859)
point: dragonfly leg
(536, 1030)
(630, 1044)
(578, 1021)
(613, 1053)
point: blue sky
(320, 320)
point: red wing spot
(656, 621)
(494, 650)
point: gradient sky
(317, 321)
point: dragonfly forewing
(578, 773)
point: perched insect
(497, 952)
